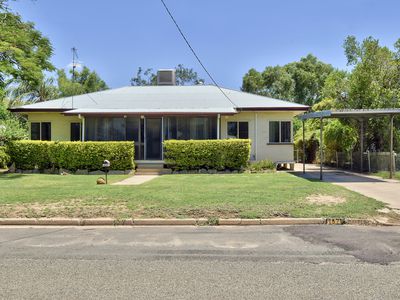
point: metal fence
(372, 161)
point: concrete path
(270, 262)
(136, 180)
(384, 190)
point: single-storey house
(148, 115)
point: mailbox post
(106, 168)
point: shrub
(71, 155)
(29, 155)
(4, 157)
(208, 154)
(262, 165)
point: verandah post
(391, 148)
(304, 149)
(321, 156)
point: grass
(385, 175)
(210, 196)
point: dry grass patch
(325, 199)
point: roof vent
(166, 77)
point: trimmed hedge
(71, 155)
(232, 154)
(4, 157)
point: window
(75, 132)
(35, 131)
(105, 129)
(45, 131)
(238, 130)
(190, 128)
(41, 131)
(280, 132)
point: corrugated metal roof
(348, 113)
(165, 98)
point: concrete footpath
(136, 180)
(385, 190)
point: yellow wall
(258, 131)
(60, 124)
(259, 134)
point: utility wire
(194, 53)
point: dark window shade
(190, 128)
(286, 136)
(274, 132)
(46, 131)
(243, 130)
(75, 132)
(35, 131)
(232, 130)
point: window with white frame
(280, 132)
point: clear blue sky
(230, 36)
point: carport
(358, 114)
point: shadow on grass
(8, 176)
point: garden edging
(188, 221)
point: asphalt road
(265, 262)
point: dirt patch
(325, 199)
(68, 209)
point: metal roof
(351, 113)
(153, 99)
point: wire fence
(371, 161)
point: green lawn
(385, 174)
(230, 195)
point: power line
(194, 53)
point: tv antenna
(75, 63)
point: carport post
(304, 149)
(321, 155)
(391, 148)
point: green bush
(4, 157)
(28, 155)
(231, 154)
(71, 155)
(262, 165)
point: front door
(153, 138)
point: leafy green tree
(24, 52)
(184, 76)
(86, 81)
(43, 91)
(300, 81)
(11, 126)
(374, 82)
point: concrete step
(150, 165)
(153, 171)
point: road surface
(258, 262)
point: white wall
(259, 133)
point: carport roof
(351, 113)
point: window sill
(279, 144)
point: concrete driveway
(384, 190)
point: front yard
(177, 196)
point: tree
(374, 82)
(43, 91)
(85, 81)
(11, 126)
(300, 81)
(184, 76)
(24, 52)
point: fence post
(337, 160)
(351, 160)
